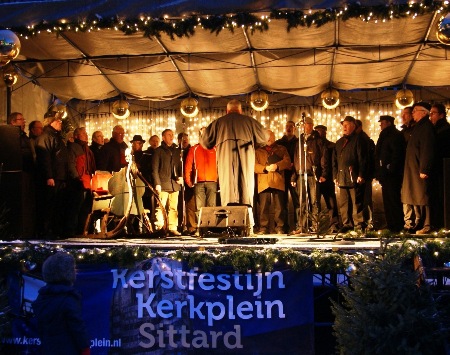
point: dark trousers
(266, 199)
(52, 210)
(327, 191)
(289, 189)
(351, 206)
(308, 212)
(393, 207)
(188, 217)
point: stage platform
(296, 242)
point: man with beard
(389, 159)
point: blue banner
(162, 306)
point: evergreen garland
(434, 253)
(186, 26)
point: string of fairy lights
(153, 123)
(187, 25)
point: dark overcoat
(420, 155)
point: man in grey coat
(235, 136)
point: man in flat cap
(420, 153)
(389, 161)
(349, 174)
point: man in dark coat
(186, 199)
(113, 158)
(368, 203)
(52, 168)
(290, 142)
(98, 141)
(390, 158)
(349, 174)
(420, 155)
(410, 220)
(315, 168)
(438, 117)
(81, 170)
(167, 177)
(235, 136)
(27, 176)
(327, 188)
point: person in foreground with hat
(349, 174)
(58, 311)
(420, 155)
(389, 161)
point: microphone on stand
(302, 120)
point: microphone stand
(183, 202)
(305, 173)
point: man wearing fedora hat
(420, 155)
(136, 148)
(389, 161)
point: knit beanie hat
(59, 268)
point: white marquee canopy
(346, 55)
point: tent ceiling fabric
(304, 61)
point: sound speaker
(220, 221)
(16, 186)
(10, 154)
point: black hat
(348, 119)
(386, 118)
(423, 104)
(137, 138)
(321, 126)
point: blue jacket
(59, 318)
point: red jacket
(200, 165)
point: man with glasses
(419, 161)
(438, 117)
